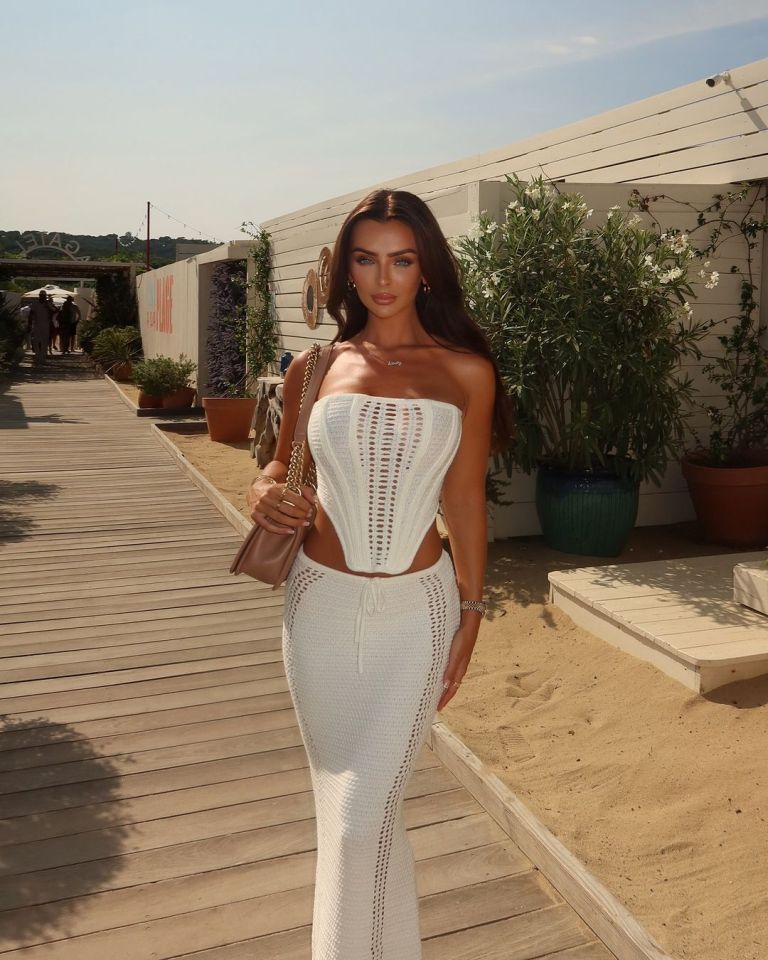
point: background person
(69, 315)
(54, 328)
(40, 326)
(24, 315)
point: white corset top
(380, 465)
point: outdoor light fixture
(723, 77)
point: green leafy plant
(11, 333)
(260, 343)
(588, 326)
(160, 376)
(738, 427)
(116, 345)
(116, 306)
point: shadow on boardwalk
(62, 833)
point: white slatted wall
(693, 135)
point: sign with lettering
(32, 241)
(160, 305)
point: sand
(657, 790)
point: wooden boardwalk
(154, 787)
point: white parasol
(58, 294)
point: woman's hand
(277, 509)
(461, 653)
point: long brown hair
(442, 311)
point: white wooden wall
(693, 135)
(189, 307)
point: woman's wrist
(473, 606)
(264, 476)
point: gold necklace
(389, 363)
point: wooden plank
(260, 671)
(119, 811)
(137, 705)
(193, 624)
(194, 633)
(549, 931)
(238, 818)
(167, 779)
(47, 755)
(228, 885)
(49, 734)
(225, 852)
(95, 767)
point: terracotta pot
(122, 372)
(731, 503)
(229, 418)
(179, 398)
(149, 400)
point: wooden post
(148, 205)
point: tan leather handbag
(268, 556)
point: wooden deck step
(679, 615)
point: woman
(379, 627)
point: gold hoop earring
(350, 284)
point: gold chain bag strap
(268, 556)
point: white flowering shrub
(589, 325)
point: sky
(220, 113)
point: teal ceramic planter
(590, 514)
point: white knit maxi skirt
(365, 657)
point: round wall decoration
(323, 276)
(309, 299)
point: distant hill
(162, 250)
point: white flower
(536, 214)
(490, 229)
(688, 308)
(475, 231)
(679, 243)
(589, 212)
(607, 298)
(672, 274)
(714, 279)
(535, 190)
(513, 205)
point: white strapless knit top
(380, 465)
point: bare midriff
(323, 545)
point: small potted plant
(727, 470)
(164, 382)
(178, 392)
(149, 376)
(588, 326)
(115, 348)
